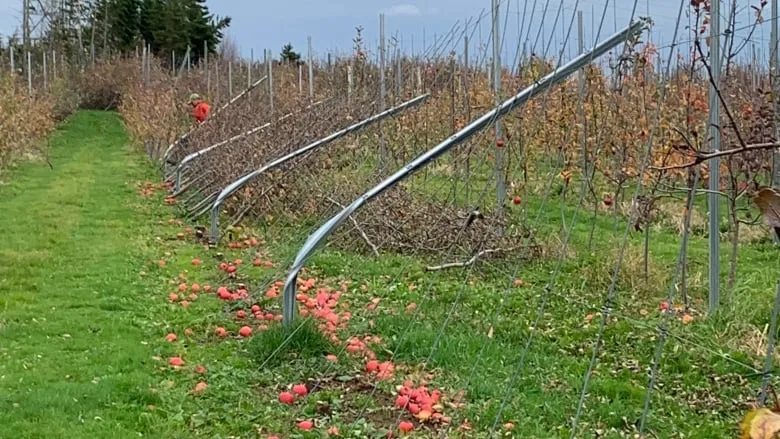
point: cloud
(404, 9)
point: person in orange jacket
(200, 109)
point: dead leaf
(760, 424)
(768, 201)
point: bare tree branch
(722, 100)
(470, 261)
(703, 157)
(358, 228)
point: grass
(85, 312)
(75, 359)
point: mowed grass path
(73, 355)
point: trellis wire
(550, 284)
(770, 348)
(618, 263)
(663, 327)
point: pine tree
(289, 55)
(173, 34)
(175, 25)
(204, 29)
(123, 22)
(149, 21)
(166, 25)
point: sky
(331, 24)
(259, 24)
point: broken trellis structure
(183, 164)
(256, 147)
(245, 179)
(556, 76)
(166, 156)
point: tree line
(101, 28)
(91, 29)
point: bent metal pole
(217, 111)
(241, 182)
(186, 160)
(556, 76)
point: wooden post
(206, 67)
(311, 71)
(230, 79)
(270, 80)
(45, 73)
(29, 75)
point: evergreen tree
(166, 25)
(289, 55)
(172, 32)
(205, 29)
(123, 22)
(149, 21)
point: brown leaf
(760, 424)
(768, 202)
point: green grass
(84, 312)
(75, 359)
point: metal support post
(714, 164)
(500, 183)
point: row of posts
(50, 71)
(47, 70)
(147, 57)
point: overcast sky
(261, 24)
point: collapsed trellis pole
(186, 160)
(556, 76)
(241, 182)
(219, 110)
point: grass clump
(282, 343)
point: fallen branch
(240, 215)
(357, 227)
(470, 261)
